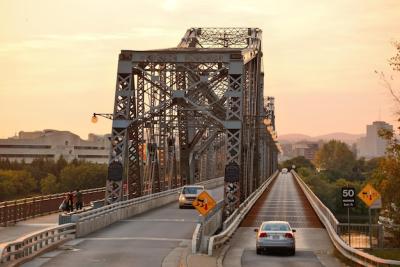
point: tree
(387, 81)
(336, 159)
(386, 176)
(15, 184)
(83, 176)
(299, 162)
(394, 61)
(60, 165)
(49, 184)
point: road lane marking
(135, 238)
(160, 220)
(38, 224)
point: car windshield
(275, 227)
(192, 190)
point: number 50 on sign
(348, 197)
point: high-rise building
(52, 144)
(306, 149)
(372, 145)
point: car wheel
(292, 252)
(258, 251)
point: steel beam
(185, 114)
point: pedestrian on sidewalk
(70, 202)
(63, 206)
(79, 201)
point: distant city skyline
(373, 145)
(58, 59)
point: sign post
(348, 200)
(372, 199)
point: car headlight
(182, 198)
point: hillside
(344, 137)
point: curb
(222, 255)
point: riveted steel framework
(182, 114)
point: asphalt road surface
(143, 240)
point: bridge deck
(284, 201)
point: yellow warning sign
(369, 195)
(204, 203)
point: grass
(385, 253)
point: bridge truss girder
(182, 114)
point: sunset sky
(58, 59)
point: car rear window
(192, 190)
(275, 227)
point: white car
(284, 170)
(275, 234)
(188, 194)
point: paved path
(22, 228)
(148, 239)
(283, 201)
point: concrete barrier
(209, 226)
(16, 252)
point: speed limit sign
(348, 197)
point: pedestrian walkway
(22, 228)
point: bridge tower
(193, 112)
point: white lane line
(135, 238)
(283, 201)
(37, 224)
(160, 220)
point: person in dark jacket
(70, 202)
(79, 201)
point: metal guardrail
(331, 225)
(28, 246)
(232, 222)
(359, 235)
(23, 209)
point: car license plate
(275, 237)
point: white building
(372, 145)
(52, 144)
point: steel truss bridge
(191, 113)
(185, 115)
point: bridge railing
(232, 222)
(331, 225)
(360, 235)
(26, 208)
(28, 246)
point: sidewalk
(195, 260)
(22, 228)
(182, 256)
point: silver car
(275, 234)
(188, 194)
